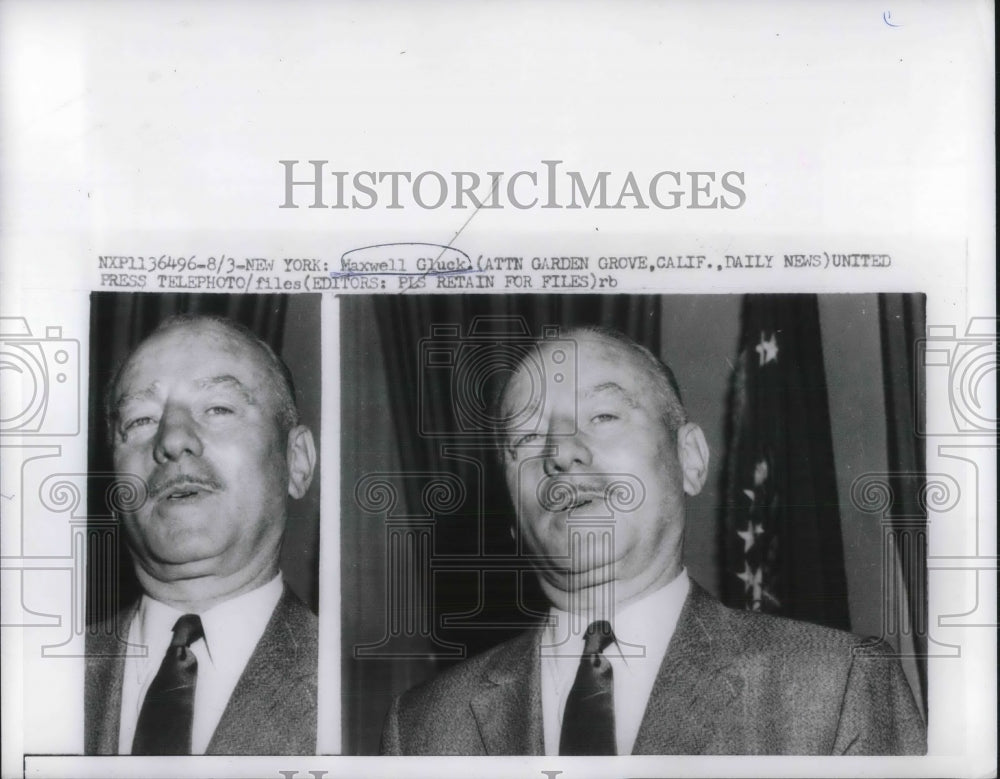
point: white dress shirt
(232, 630)
(642, 632)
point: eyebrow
(143, 394)
(613, 387)
(226, 380)
(230, 382)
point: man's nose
(566, 452)
(176, 436)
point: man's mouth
(183, 493)
(183, 488)
(583, 500)
(564, 496)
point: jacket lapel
(106, 648)
(697, 690)
(508, 709)
(273, 708)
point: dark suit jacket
(732, 682)
(272, 710)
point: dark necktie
(164, 726)
(588, 726)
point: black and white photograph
(203, 599)
(557, 390)
(632, 524)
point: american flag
(782, 546)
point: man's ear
(692, 452)
(301, 457)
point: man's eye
(606, 417)
(137, 422)
(219, 410)
(525, 440)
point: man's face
(558, 479)
(196, 418)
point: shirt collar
(643, 628)
(232, 628)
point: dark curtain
(455, 499)
(782, 550)
(902, 320)
(118, 322)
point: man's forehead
(200, 351)
(599, 367)
(590, 355)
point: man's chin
(577, 565)
(592, 572)
(194, 565)
(580, 589)
(187, 547)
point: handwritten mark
(389, 259)
(7, 497)
(886, 16)
(460, 230)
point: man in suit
(203, 413)
(635, 657)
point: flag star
(750, 535)
(768, 350)
(751, 580)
